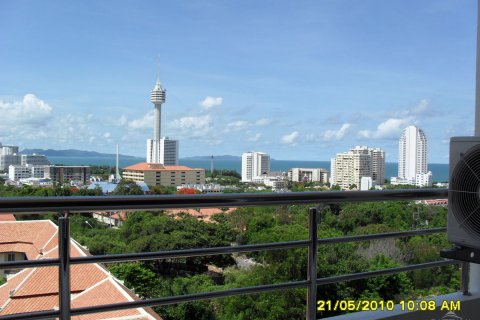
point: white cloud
(107, 135)
(390, 128)
(422, 107)
(263, 122)
(254, 137)
(192, 126)
(122, 121)
(146, 122)
(339, 134)
(210, 102)
(289, 139)
(244, 124)
(30, 111)
(236, 125)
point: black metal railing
(66, 205)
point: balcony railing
(66, 205)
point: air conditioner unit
(463, 227)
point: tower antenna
(211, 165)
(117, 170)
(158, 67)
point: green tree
(127, 187)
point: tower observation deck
(157, 97)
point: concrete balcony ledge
(469, 310)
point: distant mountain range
(71, 153)
(82, 153)
(224, 157)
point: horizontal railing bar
(189, 297)
(32, 315)
(187, 253)
(29, 263)
(257, 289)
(78, 203)
(369, 274)
(245, 248)
(376, 236)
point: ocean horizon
(439, 170)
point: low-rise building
(111, 218)
(64, 174)
(420, 180)
(308, 175)
(159, 174)
(204, 214)
(275, 182)
(16, 173)
(206, 188)
(366, 183)
(34, 159)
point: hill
(71, 153)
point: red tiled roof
(105, 292)
(204, 214)
(145, 166)
(7, 217)
(32, 234)
(36, 303)
(36, 289)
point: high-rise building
(254, 164)
(165, 149)
(7, 160)
(412, 153)
(348, 168)
(8, 156)
(160, 150)
(9, 150)
(378, 166)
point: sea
(439, 170)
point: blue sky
(296, 79)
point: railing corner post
(312, 264)
(64, 267)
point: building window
(11, 257)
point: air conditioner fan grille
(464, 200)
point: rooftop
(145, 166)
(36, 289)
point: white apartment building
(15, 173)
(412, 158)
(167, 150)
(348, 168)
(275, 182)
(412, 153)
(366, 183)
(254, 164)
(308, 175)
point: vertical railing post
(465, 278)
(64, 268)
(312, 264)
